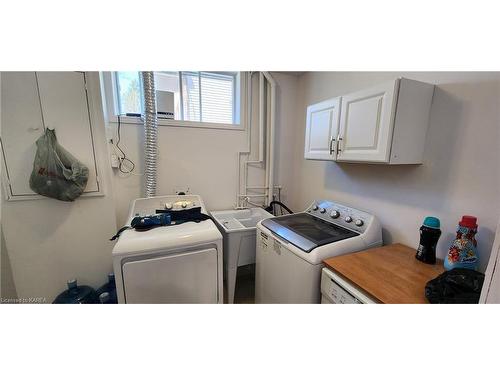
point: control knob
(184, 205)
(348, 219)
(359, 223)
(322, 210)
(335, 214)
(315, 208)
(168, 206)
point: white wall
(286, 118)
(460, 174)
(205, 160)
(50, 241)
(7, 287)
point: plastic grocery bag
(460, 285)
(56, 173)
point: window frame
(110, 85)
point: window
(129, 90)
(210, 97)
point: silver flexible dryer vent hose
(150, 133)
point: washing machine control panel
(344, 216)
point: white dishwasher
(336, 289)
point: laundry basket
(238, 229)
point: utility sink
(238, 228)
(237, 220)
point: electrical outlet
(115, 162)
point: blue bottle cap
(72, 283)
(432, 222)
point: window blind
(217, 98)
(208, 97)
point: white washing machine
(291, 249)
(171, 264)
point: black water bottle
(429, 236)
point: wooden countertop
(390, 273)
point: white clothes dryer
(170, 264)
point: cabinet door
(65, 107)
(21, 118)
(366, 124)
(32, 101)
(321, 130)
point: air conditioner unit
(165, 105)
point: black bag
(460, 285)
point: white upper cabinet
(384, 124)
(321, 130)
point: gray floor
(245, 285)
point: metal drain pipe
(150, 133)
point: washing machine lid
(307, 231)
(173, 237)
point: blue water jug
(77, 294)
(110, 288)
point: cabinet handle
(332, 140)
(338, 145)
